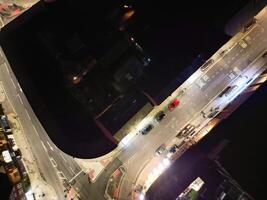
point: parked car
(181, 133)
(213, 113)
(146, 130)
(160, 149)
(206, 64)
(160, 115)
(172, 150)
(243, 44)
(250, 24)
(173, 104)
(185, 131)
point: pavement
(39, 187)
(234, 66)
(94, 167)
(114, 182)
(9, 12)
(59, 170)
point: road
(54, 164)
(202, 89)
(201, 94)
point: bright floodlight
(161, 167)
(166, 162)
(155, 172)
(142, 196)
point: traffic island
(113, 185)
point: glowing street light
(166, 162)
(142, 196)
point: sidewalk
(40, 188)
(10, 9)
(114, 182)
(94, 167)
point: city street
(199, 95)
(47, 155)
(240, 63)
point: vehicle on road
(159, 116)
(243, 44)
(160, 149)
(213, 113)
(4, 124)
(227, 90)
(185, 131)
(172, 150)
(173, 104)
(250, 24)
(147, 129)
(206, 64)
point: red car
(173, 104)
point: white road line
(53, 162)
(35, 130)
(27, 114)
(6, 67)
(63, 157)
(72, 170)
(44, 146)
(132, 157)
(13, 83)
(61, 175)
(75, 176)
(50, 146)
(20, 99)
(19, 86)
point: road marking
(44, 146)
(50, 146)
(63, 157)
(35, 130)
(53, 162)
(27, 114)
(75, 176)
(61, 175)
(20, 99)
(6, 67)
(132, 157)
(13, 83)
(72, 170)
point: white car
(243, 44)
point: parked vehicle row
(227, 90)
(206, 64)
(173, 104)
(186, 131)
(174, 149)
(146, 129)
(159, 117)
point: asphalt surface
(202, 92)
(55, 166)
